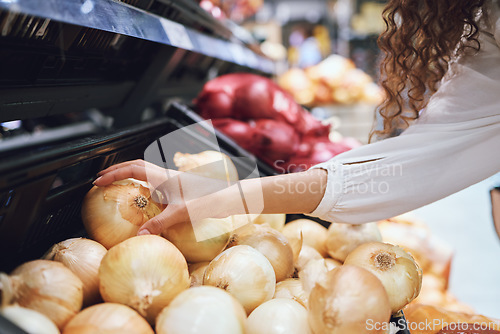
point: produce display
(335, 80)
(262, 277)
(264, 119)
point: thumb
(159, 223)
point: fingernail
(144, 232)
(96, 180)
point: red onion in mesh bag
(275, 140)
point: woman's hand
(190, 197)
(162, 180)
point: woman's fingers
(121, 173)
(121, 165)
(173, 214)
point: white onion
(83, 257)
(196, 272)
(313, 233)
(144, 272)
(343, 238)
(212, 164)
(271, 243)
(202, 310)
(109, 318)
(29, 320)
(307, 253)
(44, 286)
(331, 263)
(243, 272)
(347, 302)
(292, 288)
(115, 212)
(278, 316)
(201, 240)
(396, 269)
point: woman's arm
(191, 197)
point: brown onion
(343, 238)
(350, 301)
(313, 233)
(396, 269)
(109, 318)
(115, 212)
(83, 257)
(47, 287)
(271, 243)
(144, 272)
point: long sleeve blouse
(453, 144)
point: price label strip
(177, 34)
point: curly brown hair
(421, 37)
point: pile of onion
(395, 268)
(144, 272)
(115, 212)
(83, 257)
(44, 286)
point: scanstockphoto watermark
(366, 178)
(434, 325)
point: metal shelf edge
(120, 18)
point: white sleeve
(454, 144)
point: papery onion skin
(28, 320)
(313, 233)
(396, 269)
(115, 212)
(83, 257)
(275, 220)
(196, 272)
(314, 272)
(200, 241)
(243, 272)
(350, 299)
(271, 243)
(344, 238)
(47, 287)
(278, 316)
(202, 310)
(144, 272)
(109, 318)
(307, 253)
(292, 288)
